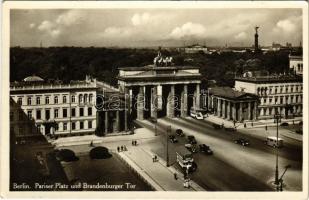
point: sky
(154, 27)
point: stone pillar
(140, 103)
(127, 107)
(234, 111)
(171, 103)
(223, 109)
(249, 110)
(198, 97)
(106, 121)
(228, 110)
(117, 128)
(254, 112)
(184, 102)
(154, 102)
(219, 108)
(240, 111)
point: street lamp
(280, 179)
(169, 128)
(277, 117)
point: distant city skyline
(154, 27)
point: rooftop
(271, 79)
(154, 68)
(230, 93)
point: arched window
(73, 99)
(56, 99)
(80, 98)
(85, 98)
(90, 98)
(64, 99)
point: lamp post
(277, 118)
(169, 128)
(280, 179)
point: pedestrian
(234, 121)
(252, 124)
(155, 158)
(245, 125)
(118, 149)
(293, 122)
(135, 142)
(125, 148)
(91, 143)
(175, 176)
(266, 127)
(132, 142)
(121, 148)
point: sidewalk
(258, 124)
(156, 172)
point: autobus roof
(274, 138)
(183, 151)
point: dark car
(217, 126)
(173, 139)
(179, 132)
(191, 139)
(230, 129)
(205, 149)
(153, 120)
(191, 147)
(284, 124)
(242, 141)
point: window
(73, 126)
(265, 100)
(296, 100)
(56, 127)
(20, 101)
(89, 111)
(270, 100)
(65, 112)
(29, 101)
(286, 89)
(281, 100)
(38, 114)
(64, 99)
(85, 98)
(270, 90)
(281, 89)
(81, 125)
(11, 116)
(38, 100)
(73, 99)
(47, 114)
(38, 128)
(80, 98)
(90, 98)
(29, 114)
(275, 90)
(292, 88)
(46, 100)
(56, 113)
(56, 99)
(65, 126)
(89, 124)
(73, 112)
(276, 100)
(81, 112)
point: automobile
(179, 132)
(217, 126)
(173, 139)
(284, 124)
(205, 149)
(191, 147)
(242, 141)
(199, 116)
(191, 139)
(153, 120)
(231, 129)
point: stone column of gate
(249, 110)
(154, 102)
(240, 111)
(228, 110)
(127, 107)
(234, 111)
(106, 121)
(171, 103)
(140, 103)
(223, 108)
(184, 101)
(198, 97)
(219, 108)
(254, 113)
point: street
(232, 167)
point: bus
(197, 114)
(272, 141)
(184, 158)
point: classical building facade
(296, 64)
(157, 91)
(230, 104)
(53, 108)
(277, 94)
